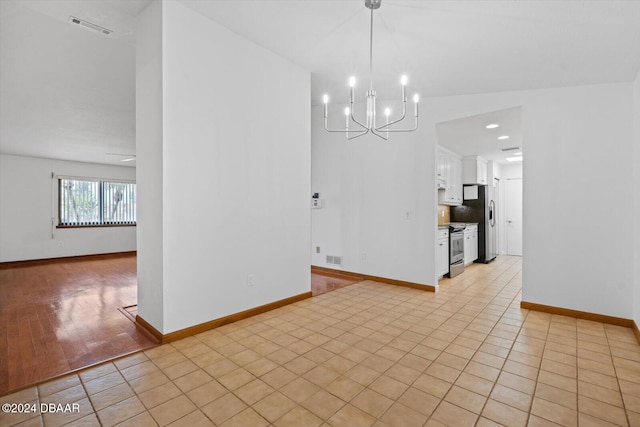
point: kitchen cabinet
(442, 166)
(474, 170)
(442, 252)
(470, 244)
(449, 177)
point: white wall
(149, 164)
(235, 183)
(636, 186)
(512, 171)
(367, 186)
(571, 257)
(27, 205)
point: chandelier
(369, 124)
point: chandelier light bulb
(416, 98)
(347, 111)
(325, 98)
(387, 112)
(403, 80)
(352, 81)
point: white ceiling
(67, 92)
(469, 136)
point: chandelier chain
(371, 53)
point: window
(89, 202)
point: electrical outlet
(60, 243)
(250, 280)
(317, 249)
(363, 256)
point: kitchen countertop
(441, 226)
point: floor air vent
(89, 25)
(334, 259)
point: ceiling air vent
(511, 149)
(90, 25)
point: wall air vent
(89, 25)
(511, 149)
(334, 259)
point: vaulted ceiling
(68, 92)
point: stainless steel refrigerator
(481, 210)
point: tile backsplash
(444, 214)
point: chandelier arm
(364, 132)
(404, 112)
(379, 135)
(384, 127)
(346, 130)
(404, 130)
(356, 121)
(401, 130)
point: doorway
(514, 216)
(488, 148)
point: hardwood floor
(321, 283)
(63, 315)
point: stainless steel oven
(456, 250)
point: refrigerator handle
(492, 207)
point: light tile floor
(370, 354)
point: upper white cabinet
(474, 170)
(449, 177)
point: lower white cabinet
(470, 244)
(442, 252)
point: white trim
(86, 178)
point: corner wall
(149, 161)
(27, 206)
(379, 201)
(576, 189)
(234, 155)
(575, 186)
(636, 186)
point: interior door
(514, 217)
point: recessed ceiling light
(514, 159)
(503, 137)
(492, 126)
